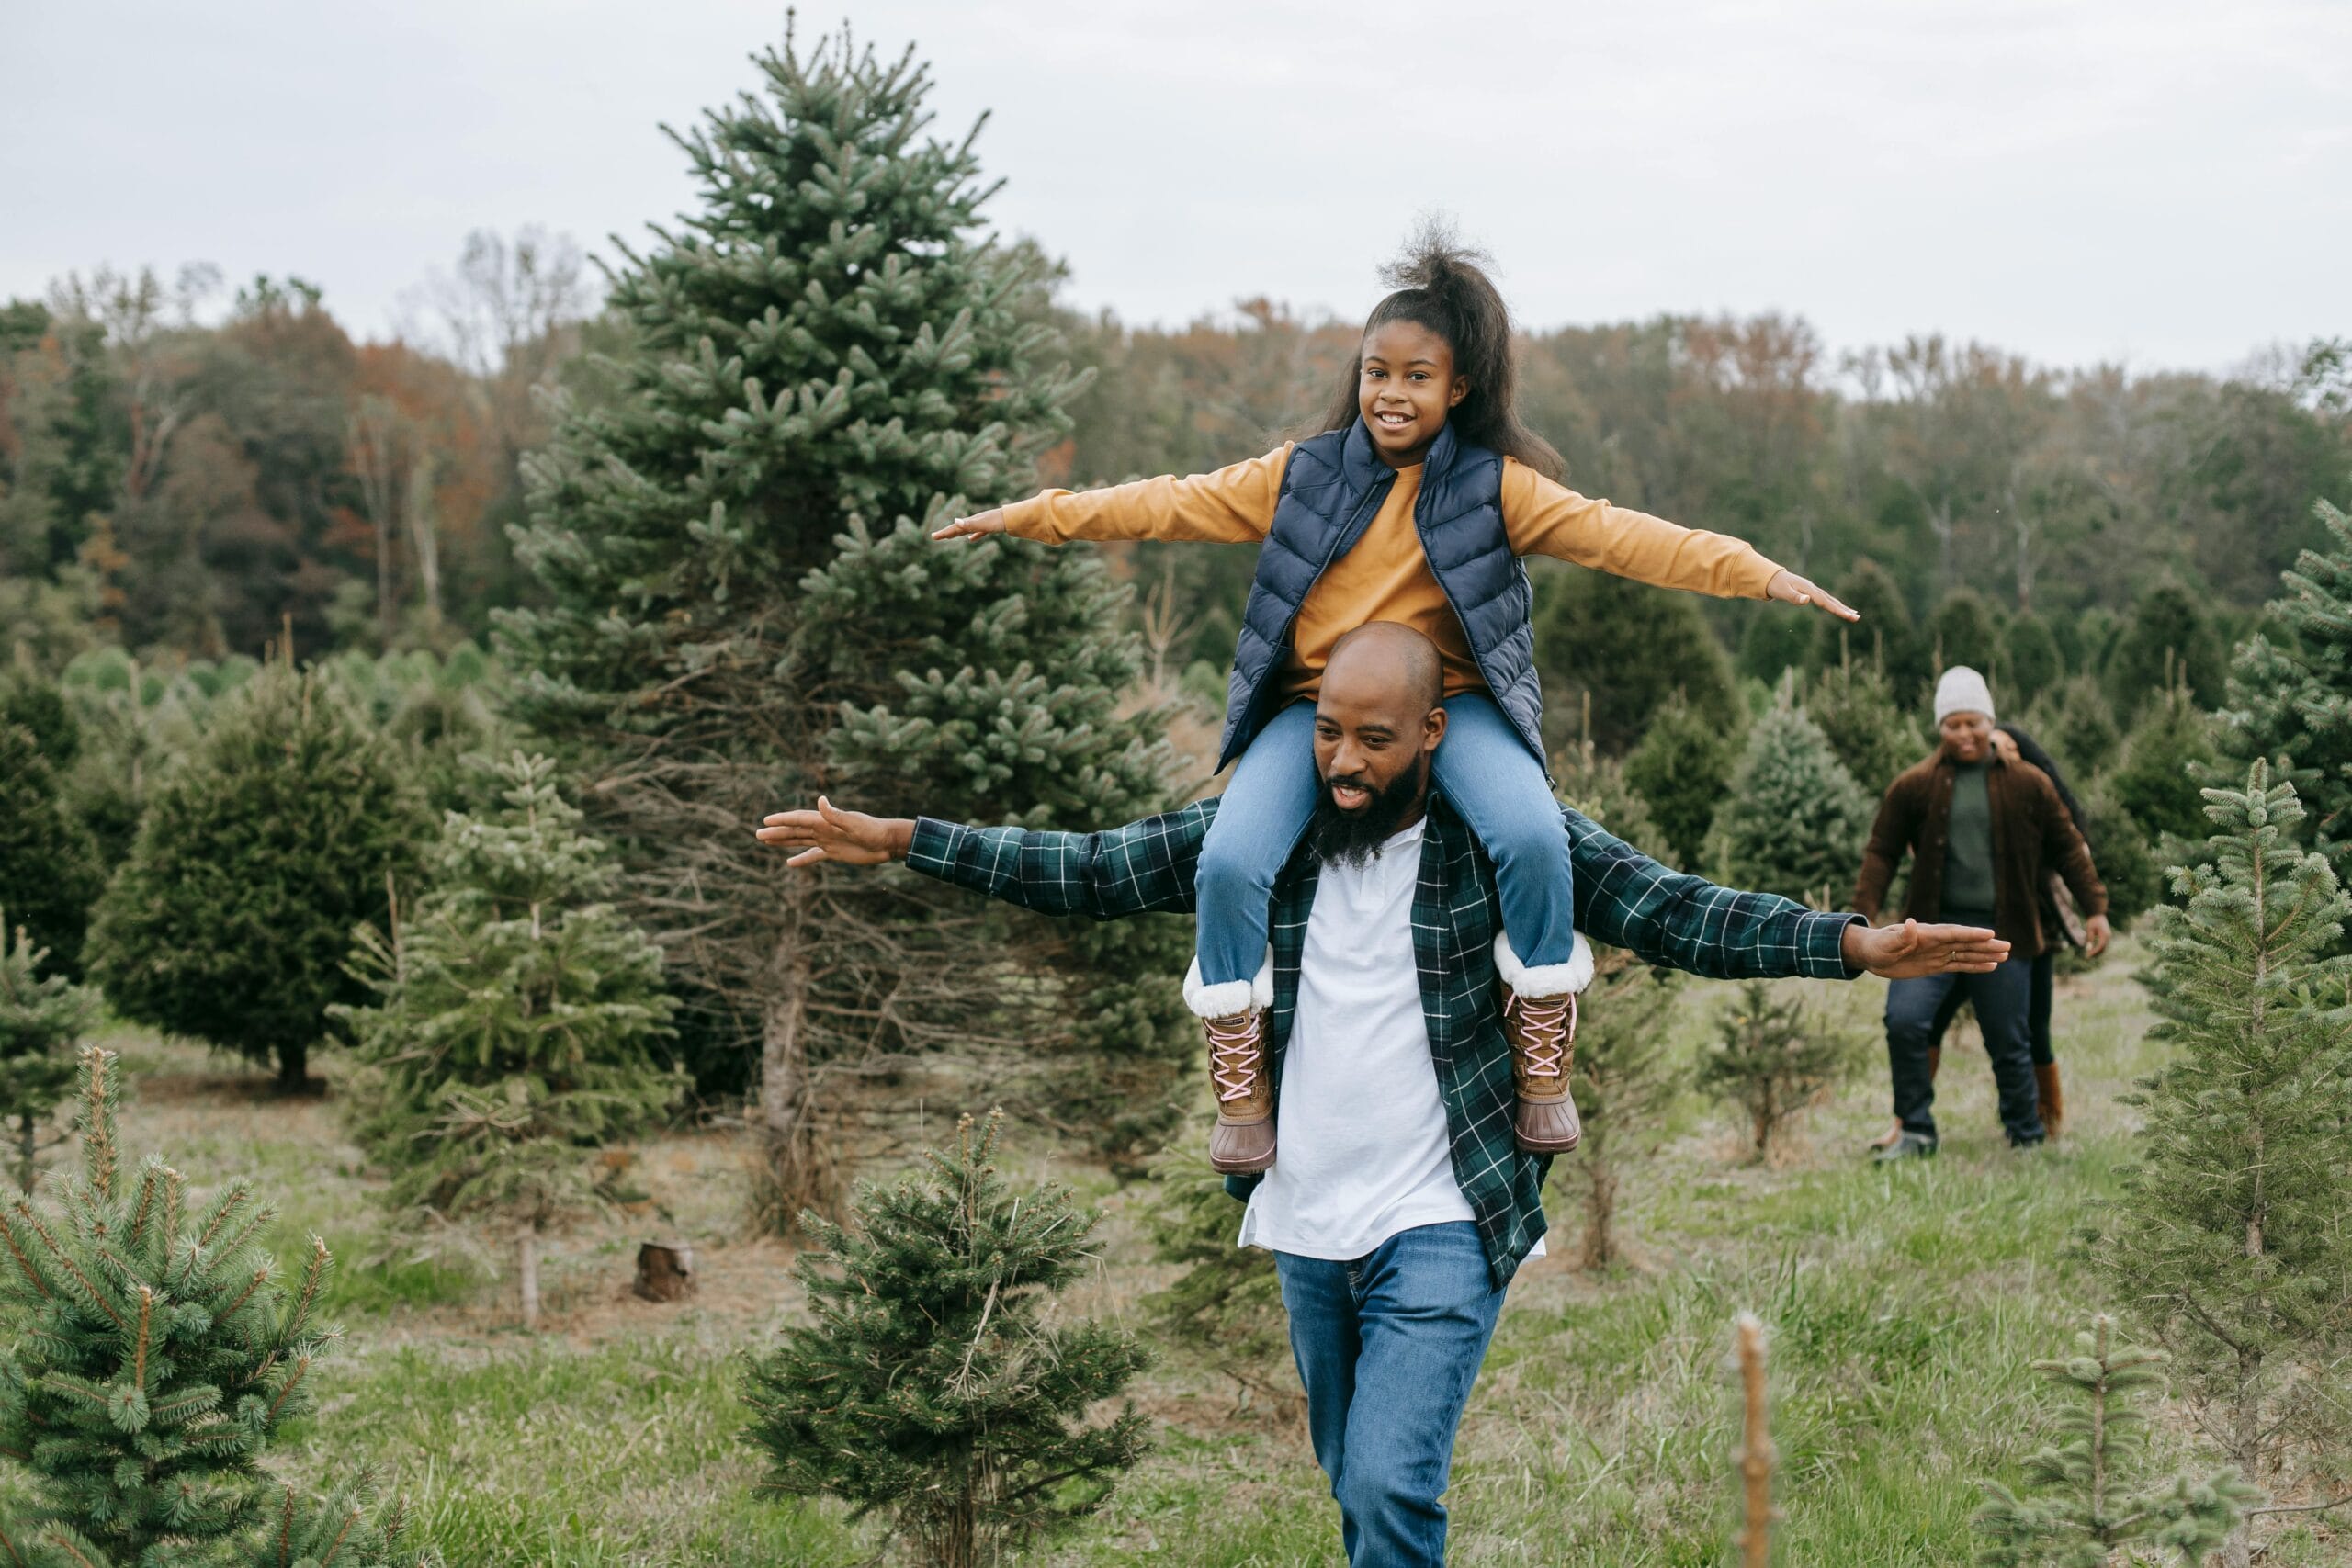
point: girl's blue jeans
(1483, 770)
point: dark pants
(1387, 1346)
(2045, 970)
(1918, 1012)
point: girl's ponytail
(1441, 284)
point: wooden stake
(1755, 1455)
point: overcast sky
(2152, 181)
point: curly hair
(1441, 284)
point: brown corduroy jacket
(2032, 834)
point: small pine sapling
(516, 1016)
(932, 1386)
(2093, 1493)
(158, 1354)
(2229, 1236)
(1628, 1068)
(1772, 1061)
(42, 1021)
(1226, 1305)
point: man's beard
(1353, 837)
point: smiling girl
(1414, 504)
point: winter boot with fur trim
(1539, 1021)
(1233, 1017)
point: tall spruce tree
(2229, 1240)
(1964, 630)
(42, 1020)
(2156, 781)
(1794, 820)
(262, 851)
(931, 1386)
(830, 356)
(514, 1023)
(49, 868)
(158, 1356)
(2094, 1493)
(2290, 699)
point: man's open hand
(846, 838)
(1911, 950)
(1790, 589)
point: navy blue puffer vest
(1333, 488)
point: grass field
(1904, 1305)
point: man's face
(1372, 744)
(1968, 736)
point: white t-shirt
(1360, 1149)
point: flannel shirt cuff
(935, 846)
(1821, 946)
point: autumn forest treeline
(185, 470)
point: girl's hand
(1790, 589)
(977, 525)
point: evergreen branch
(286, 1391)
(2336, 1502)
(62, 1256)
(225, 1313)
(63, 1544)
(23, 1264)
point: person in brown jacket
(1982, 831)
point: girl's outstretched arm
(1233, 505)
(1549, 519)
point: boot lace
(1233, 1054)
(1548, 1030)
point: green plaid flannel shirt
(1622, 898)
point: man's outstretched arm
(1141, 868)
(1667, 918)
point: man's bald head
(1387, 660)
(1377, 721)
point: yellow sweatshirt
(1385, 577)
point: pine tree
(1770, 644)
(933, 1387)
(2228, 1240)
(1794, 820)
(2127, 867)
(2094, 1493)
(264, 848)
(1964, 630)
(830, 357)
(2155, 782)
(1629, 1067)
(2029, 663)
(1601, 788)
(2076, 722)
(1680, 770)
(1855, 707)
(1226, 1307)
(1628, 646)
(1771, 1061)
(1884, 636)
(159, 1356)
(515, 1022)
(2290, 700)
(48, 870)
(42, 1020)
(2169, 640)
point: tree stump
(665, 1271)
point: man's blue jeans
(1387, 1346)
(1916, 1012)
